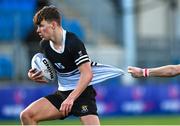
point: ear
(54, 24)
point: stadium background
(141, 33)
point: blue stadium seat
(74, 26)
(6, 67)
(10, 9)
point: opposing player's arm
(163, 71)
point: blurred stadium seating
(20, 13)
(73, 26)
(6, 67)
(15, 16)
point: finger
(37, 75)
(70, 107)
(129, 71)
(62, 110)
(41, 81)
(62, 107)
(130, 68)
(33, 70)
(67, 110)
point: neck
(58, 37)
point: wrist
(145, 72)
(73, 96)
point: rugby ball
(41, 63)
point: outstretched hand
(135, 71)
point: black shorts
(85, 104)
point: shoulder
(71, 35)
(72, 39)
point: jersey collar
(63, 44)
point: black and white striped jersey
(72, 55)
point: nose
(38, 30)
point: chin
(45, 38)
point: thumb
(130, 69)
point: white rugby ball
(41, 63)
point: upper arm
(78, 52)
(85, 68)
(85, 71)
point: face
(45, 30)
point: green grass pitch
(128, 120)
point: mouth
(40, 35)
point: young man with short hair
(76, 74)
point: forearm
(164, 71)
(85, 79)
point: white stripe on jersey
(84, 56)
(86, 59)
(69, 73)
(100, 73)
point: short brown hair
(48, 13)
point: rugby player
(75, 71)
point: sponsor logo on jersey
(80, 53)
(59, 65)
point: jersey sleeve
(79, 52)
